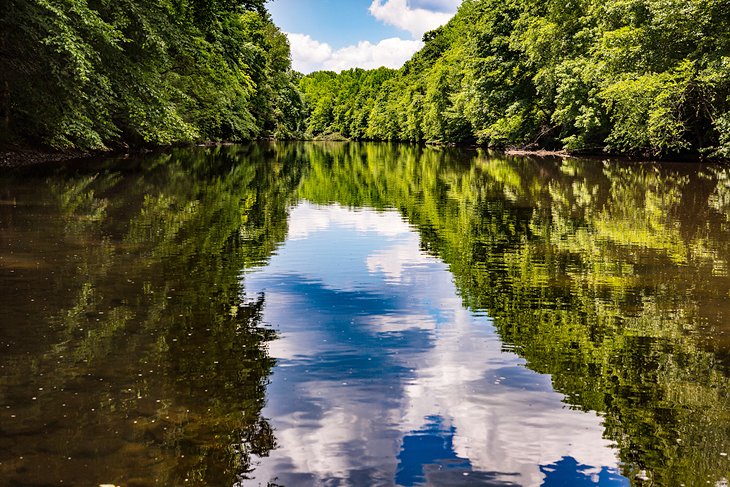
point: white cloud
(335, 425)
(413, 16)
(418, 18)
(309, 54)
(391, 53)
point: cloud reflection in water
(384, 378)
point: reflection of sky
(384, 378)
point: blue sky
(337, 22)
(340, 34)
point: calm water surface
(349, 314)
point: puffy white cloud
(414, 16)
(309, 54)
(417, 18)
(391, 53)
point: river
(294, 314)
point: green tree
(92, 75)
(644, 76)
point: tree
(89, 75)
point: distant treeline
(629, 76)
(91, 74)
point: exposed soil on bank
(15, 157)
(32, 157)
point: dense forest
(92, 74)
(649, 77)
(624, 76)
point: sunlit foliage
(90, 75)
(641, 76)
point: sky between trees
(337, 35)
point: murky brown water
(364, 314)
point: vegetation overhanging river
(364, 314)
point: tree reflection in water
(137, 332)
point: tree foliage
(643, 76)
(342, 103)
(91, 74)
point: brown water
(364, 314)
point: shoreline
(542, 153)
(28, 157)
(15, 158)
(12, 159)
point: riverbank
(30, 157)
(33, 157)
(24, 157)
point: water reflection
(383, 376)
(128, 354)
(607, 276)
(441, 313)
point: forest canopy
(648, 77)
(624, 76)
(92, 74)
